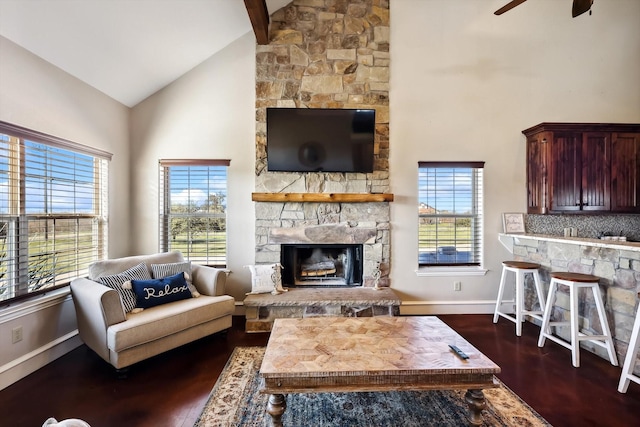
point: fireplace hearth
(322, 265)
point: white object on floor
(71, 422)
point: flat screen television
(320, 140)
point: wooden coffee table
(347, 354)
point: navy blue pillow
(150, 293)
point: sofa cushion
(160, 271)
(116, 281)
(164, 320)
(150, 293)
(117, 265)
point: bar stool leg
(519, 301)
(606, 331)
(503, 280)
(630, 359)
(545, 328)
(575, 326)
(539, 292)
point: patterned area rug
(236, 401)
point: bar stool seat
(575, 282)
(632, 355)
(520, 268)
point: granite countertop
(612, 244)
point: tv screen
(320, 140)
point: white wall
(36, 95)
(465, 83)
(209, 113)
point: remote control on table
(459, 352)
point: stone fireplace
(326, 54)
(364, 226)
(321, 265)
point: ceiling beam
(259, 17)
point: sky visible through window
(447, 189)
(194, 184)
(56, 180)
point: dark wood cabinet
(537, 186)
(583, 168)
(625, 172)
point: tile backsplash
(590, 226)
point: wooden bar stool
(575, 282)
(520, 269)
(630, 359)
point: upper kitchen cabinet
(625, 172)
(583, 168)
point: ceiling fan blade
(507, 7)
(580, 6)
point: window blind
(193, 209)
(53, 211)
(450, 213)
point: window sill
(450, 271)
(23, 307)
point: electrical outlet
(16, 334)
(457, 286)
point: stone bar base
(262, 309)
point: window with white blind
(53, 211)
(450, 213)
(193, 209)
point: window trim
(443, 270)
(23, 134)
(164, 187)
(54, 141)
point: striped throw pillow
(128, 298)
(161, 271)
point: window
(193, 209)
(53, 211)
(450, 213)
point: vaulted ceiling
(128, 49)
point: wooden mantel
(322, 197)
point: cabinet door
(537, 202)
(566, 181)
(625, 172)
(596, 172)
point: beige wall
(36, 95)
(39, 96)
(207, 114)
(465, 83)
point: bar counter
(617, 263)
(598, 243)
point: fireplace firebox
(322, 265)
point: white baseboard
(417, 308)
(19, 368)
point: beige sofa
(123, 339)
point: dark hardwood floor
(171, 389)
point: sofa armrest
(97, 307)
(209, 280)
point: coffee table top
(408, 352)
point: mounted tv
(320, 140)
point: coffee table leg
(476, 401)
(275, 408)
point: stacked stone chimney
(326, 54)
